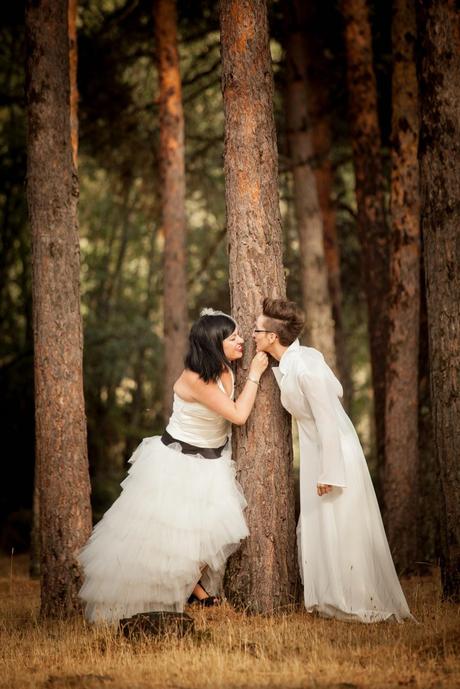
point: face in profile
(233, 346)
(260, 336)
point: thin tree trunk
(319, 110)
(52, 192)
(439, 151)
(365, 137)
(319, 328)
(172, 166)
(324, 176)
(73, 59)
(400, 483)
(430, 499)
(262, 575)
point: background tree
(172, 196)
(262, 574)
(73, 60)
(401, 414)
(319, 328)
(439, 30)
(366, 144)
(320, 76)
(52, 190)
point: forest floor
(229, 650)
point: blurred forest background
(122, 239)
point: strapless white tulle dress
(177, 515)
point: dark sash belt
(187, 449)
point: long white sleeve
(316, 388)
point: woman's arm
(214, 398)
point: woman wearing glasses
(345, 562)
(166, 539)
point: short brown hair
(284, 318)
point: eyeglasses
(254, 330)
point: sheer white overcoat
(345, 562)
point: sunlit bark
(262, 575)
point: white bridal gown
(345, 562)
(176, 514)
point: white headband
(211, 312)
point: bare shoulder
(184, 385)
(189, 384)
(189, 377)
(193, 381)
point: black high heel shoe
(207, 602)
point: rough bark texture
(365, 136)
(172, 164)
(430, 499)
(319, 324)
(73, 58)
(52, 192)
(262, 575)
(400, 483)
(319, 111)
(439, 151)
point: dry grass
(229, 650)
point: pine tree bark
(73, 59)
(319, 109)
(400, 483)
(172, 167)
(319, 324)
(439, 153)
(52, 192)
(72, 17)
(431, 499)
(366, 144)
(324, 175)
(262, 575)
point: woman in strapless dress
(167, 537)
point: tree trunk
(324, 176)
(262, 575)
(319, 328)
(72, 18)
(430, 497)
(400, 483)
(319, 108)
(73, 59)
(439, 151)
(365, 136)
(52, 192)
(172, 165)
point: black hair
(205, 354)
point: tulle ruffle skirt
(176, 516)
